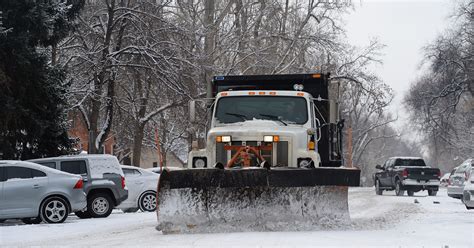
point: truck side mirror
(379, 167)
(192, 111)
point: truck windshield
(282, 109)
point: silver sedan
(142, 186)
(35, 193)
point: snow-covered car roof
(77, 156)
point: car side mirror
(379, 167)
(192, 111)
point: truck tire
(432, 192)
(378, 190)
(100, 205)
(399, 188)
(410, 193)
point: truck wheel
(378, 190)
(147, 202)
(410, 193)
(399, 188)
(432, 192)
(99, 205)
(83, 214)
(54, 210)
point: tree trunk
(209, 41)
(137, 144)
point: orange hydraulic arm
(245, 154)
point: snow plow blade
(239, 200)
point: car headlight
(199, 162)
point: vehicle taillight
(123, 182)
(439, 174)
(405, 173)
(79, 184)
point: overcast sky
(405, 27)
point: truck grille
(281, 148)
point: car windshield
(283, 109)
(410, 162)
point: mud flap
(213, 200)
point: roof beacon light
(298, 87)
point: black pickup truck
(406, 173)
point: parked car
(34, 193)
(457, 179)
(142, 185)
(406, 173)
(468, 192)
(104, 181)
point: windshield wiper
(274, 117)
(244, 117)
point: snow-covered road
(385, 220)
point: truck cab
(284, 120)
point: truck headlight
(271, 138)
(226, 138)
(200, 162)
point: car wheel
(30, 221)
(378, 190)
(147, 202)
(432, 192)
(83, 214)
(130, 210)
(410, 193)
(99, 205)
(399, 188)
(54, 210)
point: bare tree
(441, 101)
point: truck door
(392, 172)
(384, 177)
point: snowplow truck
(272, 161)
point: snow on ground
(385, 220)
